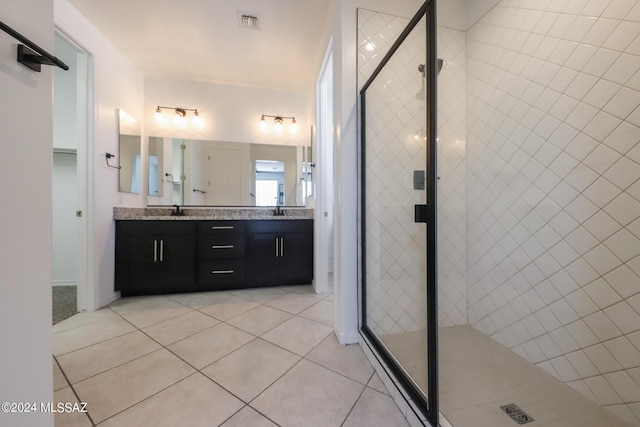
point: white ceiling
(202, 40)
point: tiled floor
(259, 357)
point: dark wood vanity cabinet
(154, 257)
(280, 252)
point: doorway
(269, 183)
(323, 233)
(70, 181)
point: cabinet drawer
(221, 246)
(220, 227)
(221, 272)
(280, 226)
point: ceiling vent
(248, 20)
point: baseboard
(65, 283)
(346, 339)
(106, 302)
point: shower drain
(516, 413)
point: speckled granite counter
(206, 213)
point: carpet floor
(64, 302)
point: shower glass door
(398, 212)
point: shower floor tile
(478, 376)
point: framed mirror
(129, 154)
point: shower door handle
(420, 213)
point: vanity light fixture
(248, 20)
(180, 115)
(278, 122)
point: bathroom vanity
(209, 249)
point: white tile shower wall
(376, 34)
(452, 234)
(553, 190)
(396, 291)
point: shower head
(422, 69)
(439, 64)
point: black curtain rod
(26, 57)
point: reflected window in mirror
(270, 180)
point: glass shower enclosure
(398, 210)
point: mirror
(129, 156)
(216, 173)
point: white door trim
(86, 291)
(323, 172)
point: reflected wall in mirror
(129, 156)
(217, 173)
(155, 162)
(307, 173)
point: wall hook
(109, 156)
(170, 181)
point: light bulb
(294, 126)
(196, 120)
(263, 124)
(179, 117)
(278, 124)
(158, 115)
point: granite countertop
(209, 213)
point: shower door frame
(429, 406)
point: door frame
(428, 406)
(324, 240)
(85, 116)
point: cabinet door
(262, 261)
(144, 270)
(154, 257)
(296, 262)
(178, 262)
